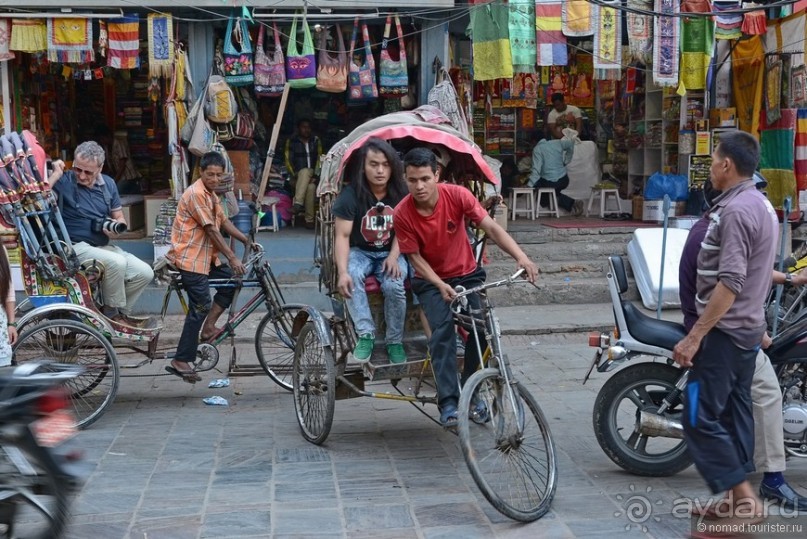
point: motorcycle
(637, 412)
(38, 472)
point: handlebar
(463, 293)
(254, 255)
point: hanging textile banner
(123, 41)
(755, 23)
(801, 150)
(491, 41)
(522, 35)
(747, 59)
(578, 18)
(70, 41)
(697, 46)
(772, 90)
(161, 50)
(5, 38)
(729, 25)
(665, 44)
(551, 41)
(640, 31)
(28, 35)
(580, 82)
(608, 38)
(777, 157)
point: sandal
(190, 376)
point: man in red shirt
(430, 226)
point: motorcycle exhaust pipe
(656, 425)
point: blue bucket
(243, 220)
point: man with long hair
(366, 245)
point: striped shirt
(191, 248)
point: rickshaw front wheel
(314, 384)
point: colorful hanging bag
(238, 68)
(332, 70)
(301, 67)
(393, 77)
(270, 73)
(362, 86)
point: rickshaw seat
(372, 286)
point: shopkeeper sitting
(92, 214)
(562, 116)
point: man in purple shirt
(722, 345)
(766, 396)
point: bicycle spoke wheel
(274, 344)
(314, 382)
(32, 503)
(71, 342)
(514, 468)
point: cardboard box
(652, 210)
(723, 117)
(240, 161)
(152, 210)
(703, 143)
(135, 215)
(638, 206)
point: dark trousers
(197, 286)
(718, 415)
(443, 343)
(564, 201)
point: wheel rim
(515, 468)
(274, 345)
(313, 381)
(69, 342)
(643, 396)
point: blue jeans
(197, 286)
(362, 263)
(443, 343)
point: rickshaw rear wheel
(515, 469)
(72, 342)
(314, 384)
(274, 344)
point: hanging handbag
(301, 67)
(270, 73)
(393, 77)
(362, 86)
(238, 69)
(332, 70)
(203, 136)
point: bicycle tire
(504, 464)
(314, 381)
(71, 342)
(275, 350)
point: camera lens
(115, 227)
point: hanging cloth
(270, 72)
(777, 157)
(393, 79)
(640, 31)
(755, 23)
(161, 50)
(801, 149)
(70, 41)
(578, 18)
(123, 37)
(522, 35)
(697, 45)
(608, 38)
(490, 35)
(28, 35)
(665, 44)
(729, 25)
(5, 40)
(549, 36)
(747, 62)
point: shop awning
(217, 4)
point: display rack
(693, 111)
(698, 167)
(645, 137)
(671, 125)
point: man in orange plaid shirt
(196, 242)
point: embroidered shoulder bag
(238, 61)
(361, 78)
(301, 67)
(393, 78)
(332, 70)
(270, 72)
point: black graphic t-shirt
(372, 227)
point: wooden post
(270, 152)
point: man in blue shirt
(87, 200)
(549, 160)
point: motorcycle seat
(652, 331)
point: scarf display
(697, 46)
(491, 41)
(70, 41)
(728, 25)
(640, 31)
(577, 18)
(747, 63)
(549, 35)
(161, 50)
(608, 38)
(5, 38)
(755, 23)
(124, 42)
(800, 150)
(665, 44)
(28, 35)
(522, 35)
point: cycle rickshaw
(510, 452)
(64, 322)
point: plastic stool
(603, 194)
(553, 202)
(272, 203)
(529, 206)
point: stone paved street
(168, 466)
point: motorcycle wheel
(640, 387)
(33, 504)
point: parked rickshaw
(509, 451)
(62, 319)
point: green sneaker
(364, 348)
(396, 353)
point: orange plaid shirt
(191, 248)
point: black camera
(110, 225)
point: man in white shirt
(562, 116)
